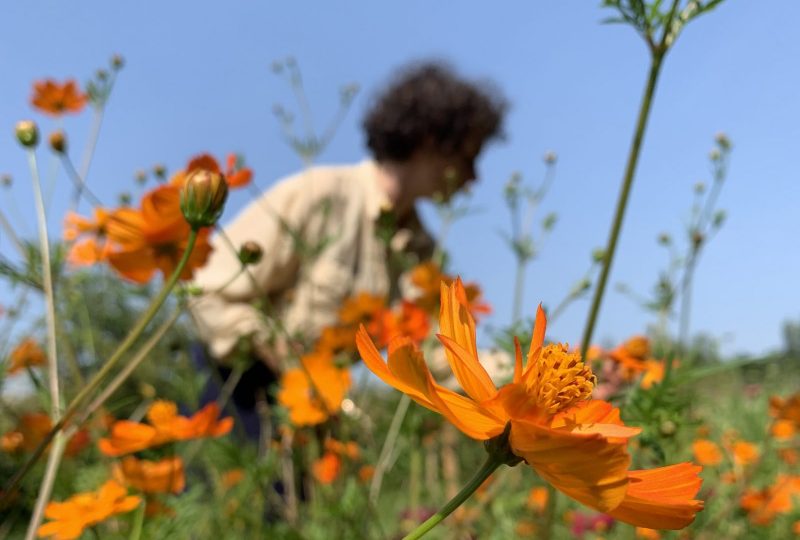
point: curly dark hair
(428, 104)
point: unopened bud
(140, 177)
(719, 218)
(160, 171)
(599, 255)
(550, 157)
(102, 75)
(250, 253)
(549, 221)
(125, 199)
(722, 141)
(697, 239)
(6, 180)
(27, 133)
(203, 197)
(664, 239)
(147, 391)
(714, 155)
(117, 62)
(58, 142)
(668, 428)
(699, 188)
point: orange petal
(589, 468)
(594, 416)
(457, 324)
(661, 498)
(539, 327)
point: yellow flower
(575, 443)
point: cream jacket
(331, 207)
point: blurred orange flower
(744, 453)
(763, 505)
(576, 444)
(537, 499)
(165, 426)
(164, 476)
(32, 429)
(327, 468)
(56, 99)
(348, 449)
(706, 452)
(647, 534)
(88, 237)
(365, 473)
(154, 237)
(71, 517)
(427, 276)
(236, 175)
(314, 391)
(360, 308)
(232, 477)
(786, 412)
(26, 354)
(410, 321)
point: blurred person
(424, 131)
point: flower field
(124, 414)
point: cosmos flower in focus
(576, 444)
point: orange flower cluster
(27, 354)
(576, 444)
(315, 390)
(786, 414)
(57, 99)
(31, 431)
(763, 505)
(164, 476)
(71, 517)
(427, 276)
(625, 363)
(165, 426)
(328, 467)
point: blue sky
(198, 78)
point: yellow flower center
(558, 379)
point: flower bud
(664, 239)
(203, 197)
(722, 141)
(250, 253)
(599, 255)
(550, 157)
(697, 239)
(668, 428)
(140, 177)
(6, 180)
(699, 188)
(117, 62)
(125, 199)
(58, 142)
(160, 171)
(27, 133)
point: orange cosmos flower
(365, 473)
(165, 426)
(232, 477)
(427, 276)
(71, 517)
(411, 321)
(349, 449)
(164, 476)
(32, 429)
(786, 412)
(236, 175)
(26, 354)
(706, 452)
(88, 237)
(315, 390)
(576, 444)
(744, 453)
(537, 499)
(56, 99)
(327, 468)
(154, 238)
(763, 505)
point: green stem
(47, 286)
(622, 202)
(492, 462)
(12, 485)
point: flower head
(165, 425)
(164, 476)
(315, 390)
(577, 444)
(71, 517)
(27, 354)
(57, 99)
